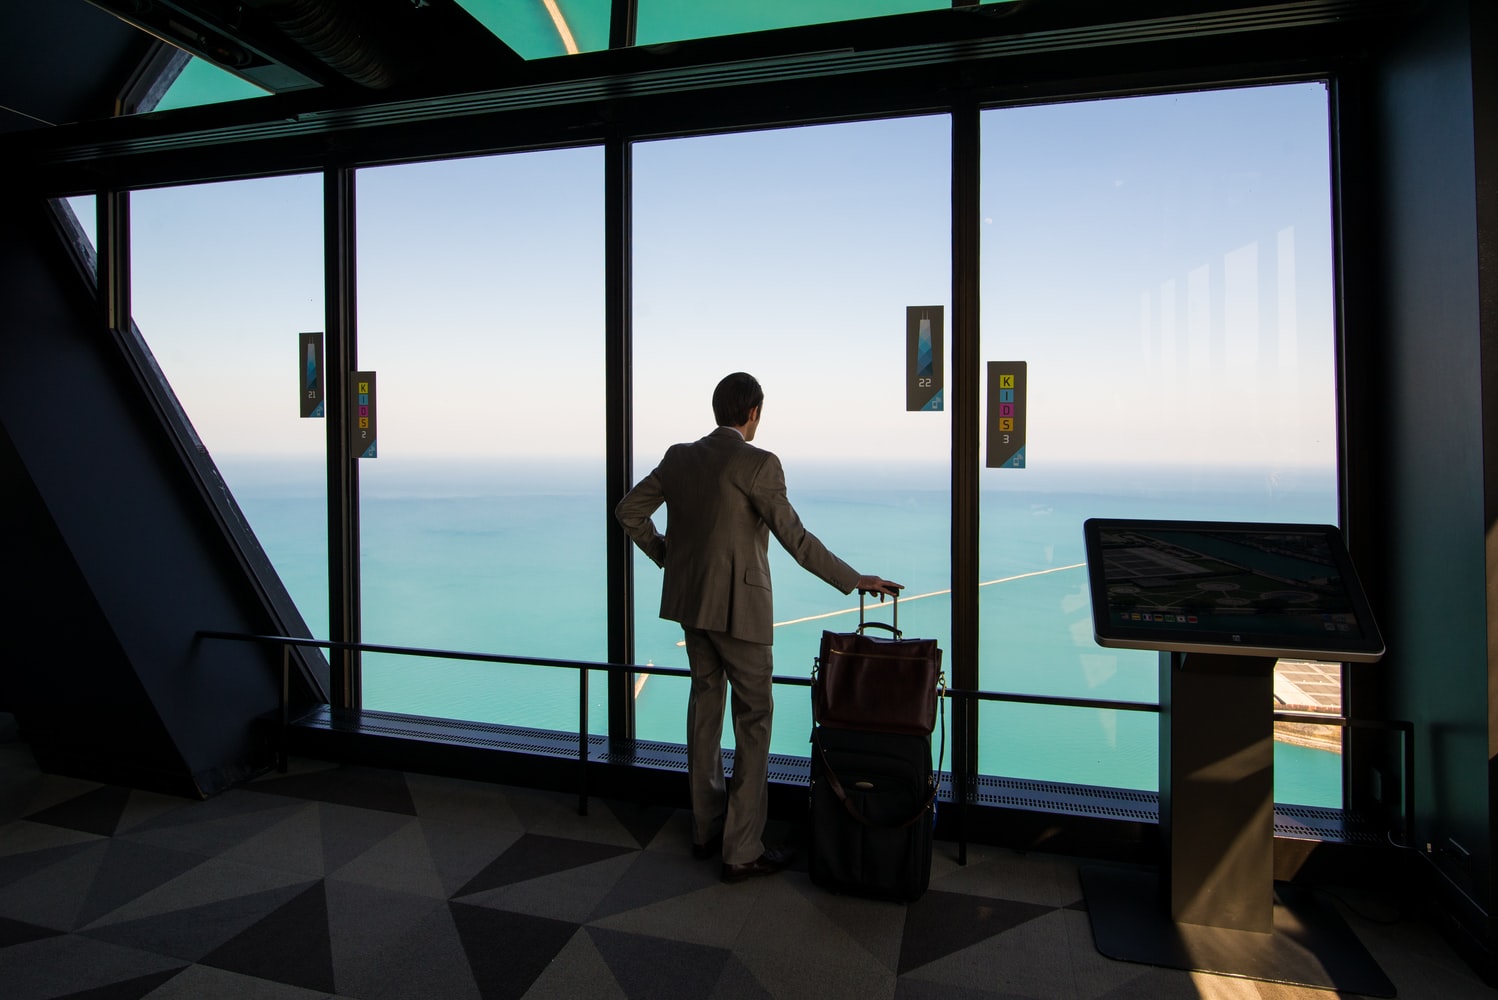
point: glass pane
(1163, 267)
(536, 29)
(223, 279)
(793, 255)
(675, 20)
(1040, 741)
(1308, 756)
(201, 82)
(482, 517)
(85, 210)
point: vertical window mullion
(343, 469)
(966, 363)
(113, 224)
(620, 430)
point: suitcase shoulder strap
(848, 804)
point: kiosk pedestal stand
(1217, 789)
(1214, 906)
(1226, 600)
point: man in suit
(723, 498)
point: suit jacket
(723, 498)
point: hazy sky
(1162, 264)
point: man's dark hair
(734, 397)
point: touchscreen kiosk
(1280, 590)
(1222, 601)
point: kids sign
(361, 424)
(1006, 414)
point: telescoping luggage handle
(891, 626)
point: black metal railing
(958, 776)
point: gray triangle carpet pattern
(340, 881)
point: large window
(1163, 266)
(223, 278)
(793, 255)
(480, 293)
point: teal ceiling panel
(538, 29)
(201, 82)
(677, 20)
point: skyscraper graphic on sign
(312, 381)
(923, 358)
(311, 385)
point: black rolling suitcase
(872, 798)
(873, 791)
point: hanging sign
(309, 359)
(1006, 414)
(924, 352)
(361, 423)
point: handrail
(446, 654)
(287, 642)
(1056, 700)
(541, 661)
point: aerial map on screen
(1263, 589)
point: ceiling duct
(333, 32)
(291, 45)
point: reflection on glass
(793, 255)
(223, 279)
(1163, 265)
(480, 291)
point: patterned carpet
(354, 882)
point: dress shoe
(711, 849)
(767, 863)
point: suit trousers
(721, 664)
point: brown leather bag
(876, 684)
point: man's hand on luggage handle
(878, 585)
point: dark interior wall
(135, 548)
(64, 672)
(1431, 478)
(1485, 160)
(84, 55)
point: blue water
(509, 559)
